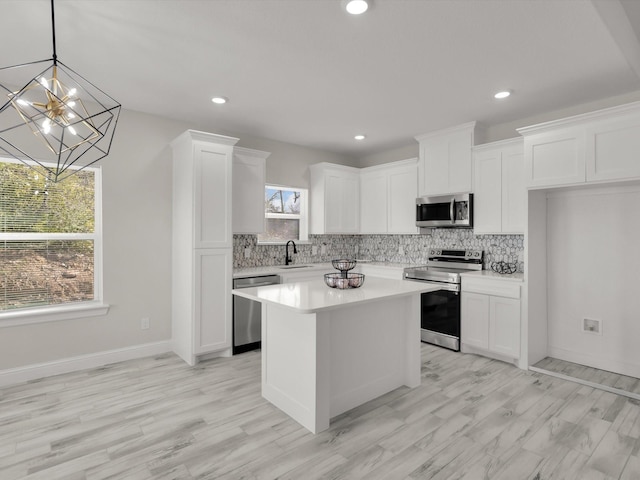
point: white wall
(593, 271)
(137, 244)
(288, 164)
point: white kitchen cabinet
(201, 244)
(474, 322)
(212, 307)
(249, 177)
(374, 198)
(595, 147)
(499, 189)
(445, 160)
(490, 317)
(388, 198)
(335, 199)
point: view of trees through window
(284, 214)
(47, 237)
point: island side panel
(295, 365)
(375, 348)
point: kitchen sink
(288, 267)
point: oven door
(440, 317)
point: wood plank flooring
(157, 418)
(590, 374)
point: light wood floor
(157, 418)
(590, 374)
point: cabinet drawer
(489, 287)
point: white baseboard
(40, 370)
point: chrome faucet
(287, 258)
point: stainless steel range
(440, 310)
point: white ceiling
(305, 72)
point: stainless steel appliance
(247, 314)
(440, 310)
(445, 211)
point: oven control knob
(432, 252)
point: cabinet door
(459, 147)
(342, 196)
(212, 297)
(555, 158)
(487, 197)
(434, 154)
(612, 150)
(504, 326)
(403, 190)
(373, 202)
(514, 191)
(212, 195)
(474, 321)
(248, 193)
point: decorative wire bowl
(343, 264)
(504, 268)
(344, 280)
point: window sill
(30, 316)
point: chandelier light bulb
(46, 125)
(72, 130)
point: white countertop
(314, 296)
(490, 274)
(324, 267)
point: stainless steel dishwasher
(247, 314)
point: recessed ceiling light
(356, 7)
(360, 137)
(503, 94)
(219, 100)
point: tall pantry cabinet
(202, 242)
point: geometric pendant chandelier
(54, 117)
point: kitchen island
(326, 351)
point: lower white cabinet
(490, 317)
(212, 308)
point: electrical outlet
(314, 250)
(323, 249)
(144, 323)
(247, 252)
(592, 326)
(400, 250)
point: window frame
(71, 310)
(303, 216)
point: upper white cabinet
(445, 160)
(249, 176)
(498, 186)
(202, 257)
(388, 198)
(202, 176)
(335, 199)
(596, 147)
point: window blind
(47, 238)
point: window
(50, 241)
(285, 214)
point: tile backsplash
(412, 249)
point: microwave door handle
(452, 211)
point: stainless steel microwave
(445, 211)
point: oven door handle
(449, 287)
(452, 211)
